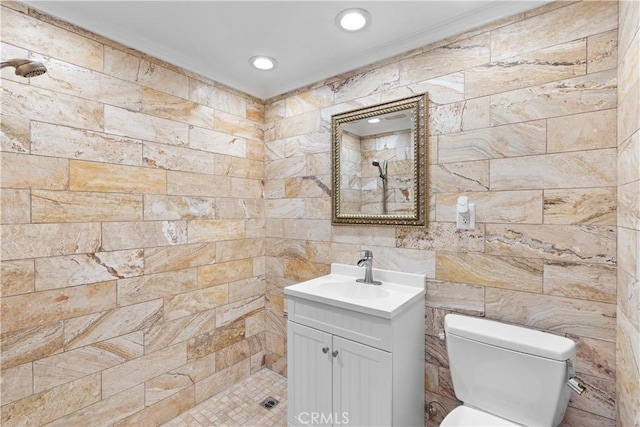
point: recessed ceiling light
(352, 20)
(263, 62)
(376, 120)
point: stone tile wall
(132, 232)
(522, 120)
(628, 323)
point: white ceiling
(217, 38)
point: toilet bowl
(507, 375)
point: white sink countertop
(340, 289)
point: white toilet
(507, 375)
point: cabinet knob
(335, 353)
(325, 350)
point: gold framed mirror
(379, 164)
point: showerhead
(26, 67)
(376, 163)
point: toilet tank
(512, 372)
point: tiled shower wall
(628, 320)
(522, 120)
(132, 232)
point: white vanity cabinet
(352, 363)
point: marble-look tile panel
(35, 35)
(163, 386)
(81, 206)
(40, 308)
(523, 207)
(520, 139)
(220, 99)
(107, 411)
(238, 167)
(211, 342)
(371, 81)
(177, 158)
(60, 141)
(198, 369)
(580, 169)
(136, 371)
(602, 52)
(594, 282)
(137, 125)
(459, 116)
(301, 271)
(628, 250)
(246, 188)
(459, 176)
(629, 159)
(163, 335)
(580, 206)
(254, 111)
(629, 22)
(386, 258)
(239, 249)
(441, 90)
(41, 240)
(601, 397)
(41, 408)
(224, 272)
(524, 274)
(217, 142)
(27, 345)
(134, 69)
(307, 186)
(169, 258)
(560, 243)
(201, 231)
(313, 99)
(82, 269)
(15, 206)
(298, 125)
(237, 126)
(233, 354)
(595, 357)
(629, 205)
(284, 168)
(17, 383)
(14, 133)
(275, 110)
(152, 286)
(254, 324)
(458, 297)
(142, 234)
(558, 62)
(576, 21)
(106, 177)
(221, 380)
(628, 68)
(586, 131)
(317, 208)
(158, 207)
(255, 150)
(307, 229)
(45, 173)
(570, 96)
(441, 236)
(188, 303)
(239, 310)
(197, 184)
(445, 60)
(161, 104)
(248, 288)
(308, 143)
(628, 364)
(556, 314)
(628, 295)
(17, 277)
(163, 411)
(85, 330)
(628, 119)
(251, 209)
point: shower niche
(379, 164)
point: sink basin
(340, 289)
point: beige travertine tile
(238, 310)
(164, 386)
(628, 250)
(586, 131)
(628, 120)
(310, 100)
(441, 90)
(142, 234)
(233, 354)
(15, 206)
(41, 240)
(44, 172)
(217, 142)
(628, 159)
(386, 258)
(27, 345)
(602, 52)
(307, 229)
(93, 328)
(458, 297)
(40, 308)
(628, 69)
(566, 243)
(188, 303)
(594, 168)
(177, 158)
(197, 184)
(600, 400)
(247, 188)
(492, 207)
(219, 381)
(284, 168)
(577, 418)
(136, 371)
(248, 288)
(215, 230)
(152, 286)
(81, 206)
(158, 207)
(573, 22)
(229, 250)
(441, 236)
(162, 411)
(627, 362)
(255, 111)
(169, 258)
(628, 295)
(459, 176)
(523, 274)
(556, 314)
(629, 19)
(285, 208)
(300, 270)
(238, 167)
(198, 369)
(49, 405)
(254, 324)
(211, 96)
(14, 133)
(255, 150)
(61, 141)
(161, 104)
(210, 342)
(595, 357)
(371, 81)
(16, 383)
(297, 125)
(628, 205)
(120, 121)
(594, 282)
(514, 140)
(163, 335)
(17, 277)
(224, 272)
(104, 177)
(237, 126)
(73, 270)
(306, 144)
(546, 65)
(307, 186)
(580, 206)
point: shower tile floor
(239, 405)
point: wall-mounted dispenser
(465, 214)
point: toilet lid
(463, 416)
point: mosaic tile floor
(240, 405)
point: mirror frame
(418, 218)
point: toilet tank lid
(511, 337)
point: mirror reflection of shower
(383, 175)
(25, 67)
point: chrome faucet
(366, 261)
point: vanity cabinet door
(309, 377)
(362, 388)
